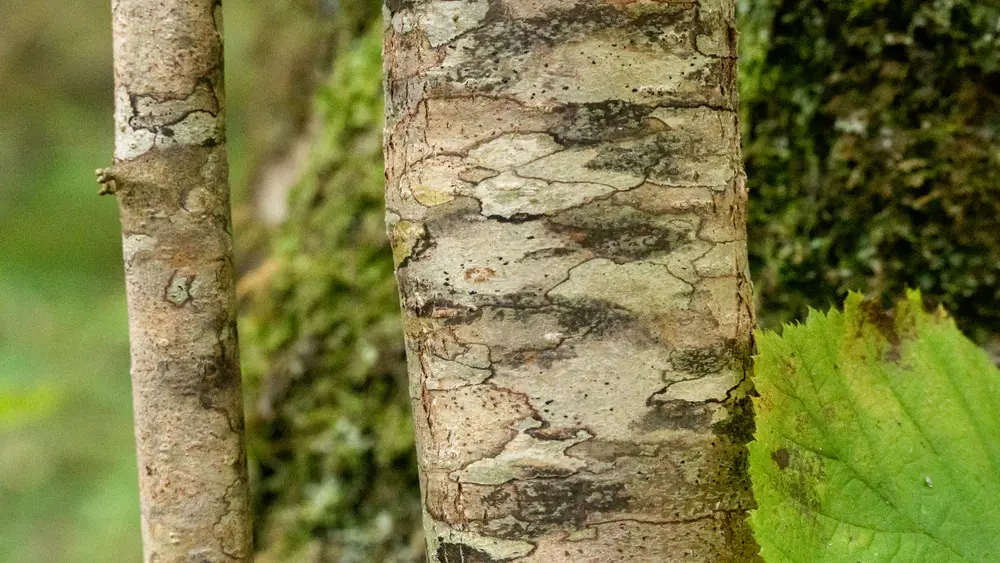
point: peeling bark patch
(479, 275)
(178, 291)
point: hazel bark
(566, 204)
(170, 177)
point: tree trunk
(566, 204)
(170, 177)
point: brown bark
(566, 203)
(170, 178)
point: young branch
(170, 179)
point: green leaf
(878, 439)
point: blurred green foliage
(872, 144)
(331, 440)
(67, 467)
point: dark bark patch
(706, 360)
(450, 552)
(568, 503)
(593, 317)
(677, 415)
(620, 233)
(652, 157)
(543, 359)
(438, 306)
(520, 300)
(739, 426)
(600, 122)
(547, 432)
(218, 384)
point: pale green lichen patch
(722, 260)
(522, 266)
(509, 151)
(586, 385)
(525, 457)
(509, 333)
(443, 21)
(508, 195)
(452, 546)
(681, 263)
(567, 73)
(405, 236)
(577, 165)
(436, 182)
(178, 289)
(443, 374)
(641, 287)
(705, 388)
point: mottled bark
(170, 178)
(566, 203)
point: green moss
(329, 425)
(872, 130)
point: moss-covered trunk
(566, 205)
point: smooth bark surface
(566, 203)
(170, 178)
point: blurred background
(872, 145)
